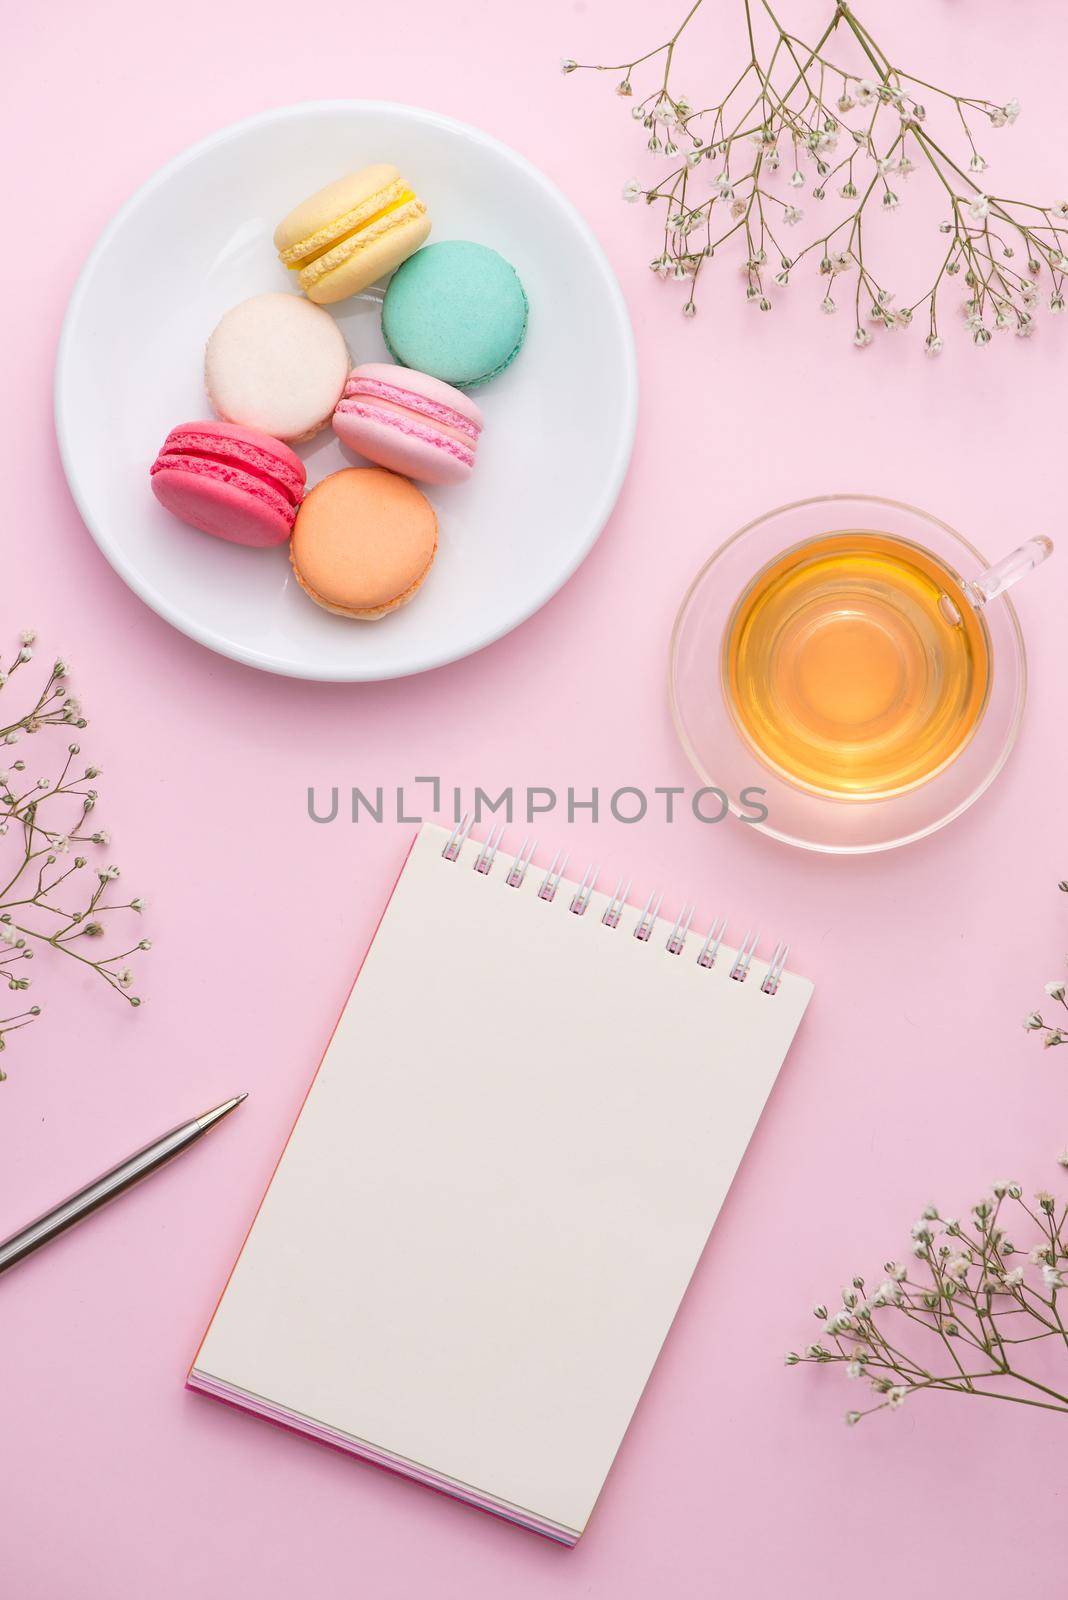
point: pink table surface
(912, 1079)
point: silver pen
(110, 1185)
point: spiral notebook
(501, 1180)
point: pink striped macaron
(236, 483)
(409, 422)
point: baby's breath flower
(632, 190)
(881, 147)
(1056, 990)
(47, 814)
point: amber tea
(855, 665)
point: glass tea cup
(727, 752)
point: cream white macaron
(277, 363)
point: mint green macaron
(457, 311)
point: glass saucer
(724, 760)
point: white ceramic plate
(196, 239)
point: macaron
(457, 311)
(351, 233)
(363, 542)
(409, 422)
(276, 363)
(233, 482)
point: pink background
(912, 1079)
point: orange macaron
(363, 542)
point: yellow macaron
(351, 233)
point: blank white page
(507, 1167)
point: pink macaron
(236, 483)
(409, 422)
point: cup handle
(1003, 574)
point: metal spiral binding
(645, 924)
(613, 913)
(581, 898)
(551, 881)
(614, 909)
(484, 859)
(710, 948)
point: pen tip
(210, 1118)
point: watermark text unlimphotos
(425, 798)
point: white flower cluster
(968, 1283)
(42, 819)
(864, 142)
